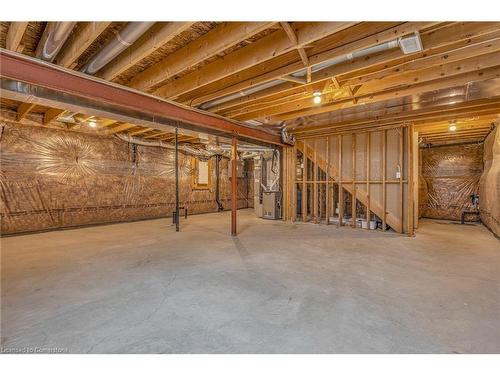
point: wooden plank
(51, 115)
(453, 81)
(156, 37)
(120, 128)
(304, 185)
(315, 183)
(24, 109)
(328, 193)
(370, 39)
(217, 40)
(452, 37)
(368, 178)
(262, 50)
(294, 178)
(401, 186)
(15, 35)
(78, 43)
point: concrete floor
(276, 288)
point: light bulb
(317, 99)
(452, 127)
(92, 124)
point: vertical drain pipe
(220, 207)
(176, 178)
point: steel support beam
(91, 92)
(234, 184)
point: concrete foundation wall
(449, 176)
(54, 178)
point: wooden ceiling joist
(269, 47)
(477, 113)
(454, 36)
(24, 109)
(215, 41)
(120, 128)
(15, 35)
(51, 115)
(160, 34)
(78, 42)
(306, 107)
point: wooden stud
(368, 177)
(315, 183)
(24, 109)
(327, 203)
(401, 186)
(304, 184)
(294, 177)
(51, 115)
(15, 35)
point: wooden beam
(304, 183)
(328, 193)
(120, 128)
(215, 41)
(368, 178)
(436, 84)
(24, 109)
(293, 38)
(262, 50)
(175, 88)
(445, 57)
(424, 117)
(452, 37)
(156, 37)
(51, 115)
(78, 42)
(140, 131)
(15, 35)
(401, 82)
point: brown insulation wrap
(54, 178)
(489, 186)
(449, 176)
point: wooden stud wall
(381, 194)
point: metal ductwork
(123, 39)
(55, 39)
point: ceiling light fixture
(453, 126)
(317, 97)
(92, 124)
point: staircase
(376, 207)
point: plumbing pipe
(123, 39)
(55, 39)
(220, 207)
